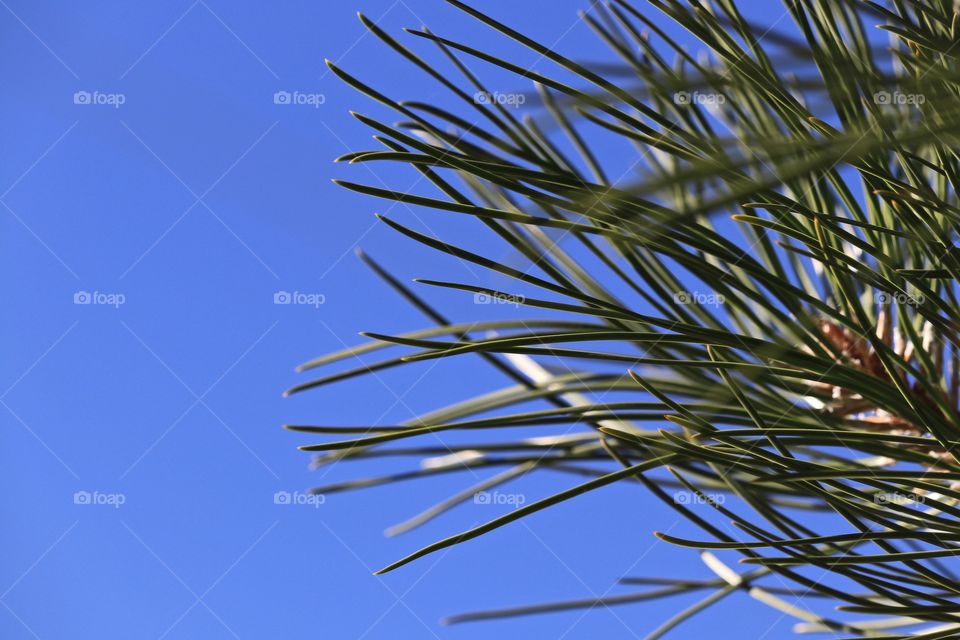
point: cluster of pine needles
(761, 304)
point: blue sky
(150, 173)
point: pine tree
(759, 311)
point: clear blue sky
(178, 195)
